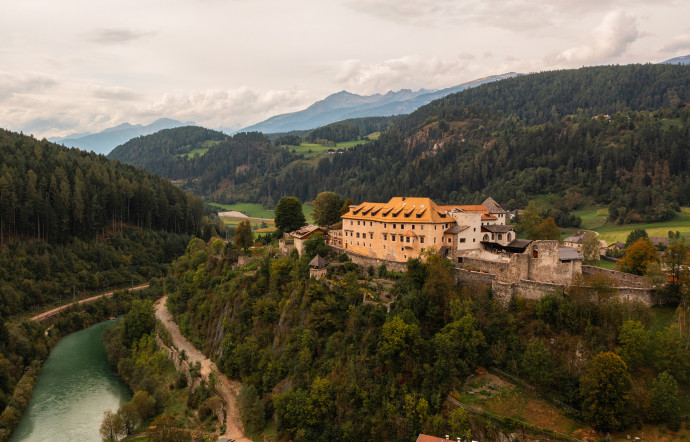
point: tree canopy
(289, 215)
(327, 208)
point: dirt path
(227, 389)
(55, 311)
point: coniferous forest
(617, 134)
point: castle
(483, 248)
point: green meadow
(199, 151)
(595, 219)
(311, 150)
(258, 211)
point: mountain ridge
(346, 105)
(106, 140)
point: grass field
(258, 211)
(313, 150)
(491, 393)
(205, 146)
(595, 219)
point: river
(75, 387)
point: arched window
(486, 237)
(508, 237)
(500, 237)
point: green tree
(130, 416)
(289, 215)
(547, 229)
(244, 238)
(112, 426)
(665, 405)
(634, 343)
(530, 219)
(251, 408)
(590, 248)
(144, 404)
(637, 256)
(634, 236)
(139, 321)
(327, 208)
(459, 425)
(677, 259)
(605, 389)
(536, 363)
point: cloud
(12, 84)
(616, 32)
(114, 36)
(224, 107)
(114, 93)
(406, 72)
(680, 42)
(416, 12)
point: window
(535, 252)
(434, 240)
(385, 237)
(508, 237)
(434, 227)
(486, 237)
(394, 226)
(475, 229)
(402, 226)
(357, 222)
(450, 240)
(357, 234)
(369, 245)
(500, 237)
(407, 239)
(459, 259)
(384, 225)
(370, 224)
(351, 222)
(421, 240)
(371, 235)
(392, 237)
(493, 236)
(474, 239)
(462, 239)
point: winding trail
(227, 389)
(55, 311)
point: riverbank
(74, 388)
(31, 336)
(226, 388)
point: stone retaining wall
(623, 279)
(366, 261)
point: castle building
(404, 228)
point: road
(226, 388)
(53, 312)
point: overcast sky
(85, 65)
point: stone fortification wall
(501, 270)
(623, 279)
(367, 261)
(533, 290)
(469, 277)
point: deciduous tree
(605, 389)
(244, 238)
(289, 215)
(637, 256)
(327, 208)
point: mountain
(105, 141)
(345, 105)
(678, 60)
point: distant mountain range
(345, 105)
(678, 60)
(105, 141)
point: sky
(85, 65)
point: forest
(614, 135)
(330, 367)
(73, 223)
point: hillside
(368, 354)
(614, 135)
(678, 60)
(73, 221)
(345, 105)
(106, 140)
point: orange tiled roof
(400, 209)
(473, 208)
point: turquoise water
(75, 387)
